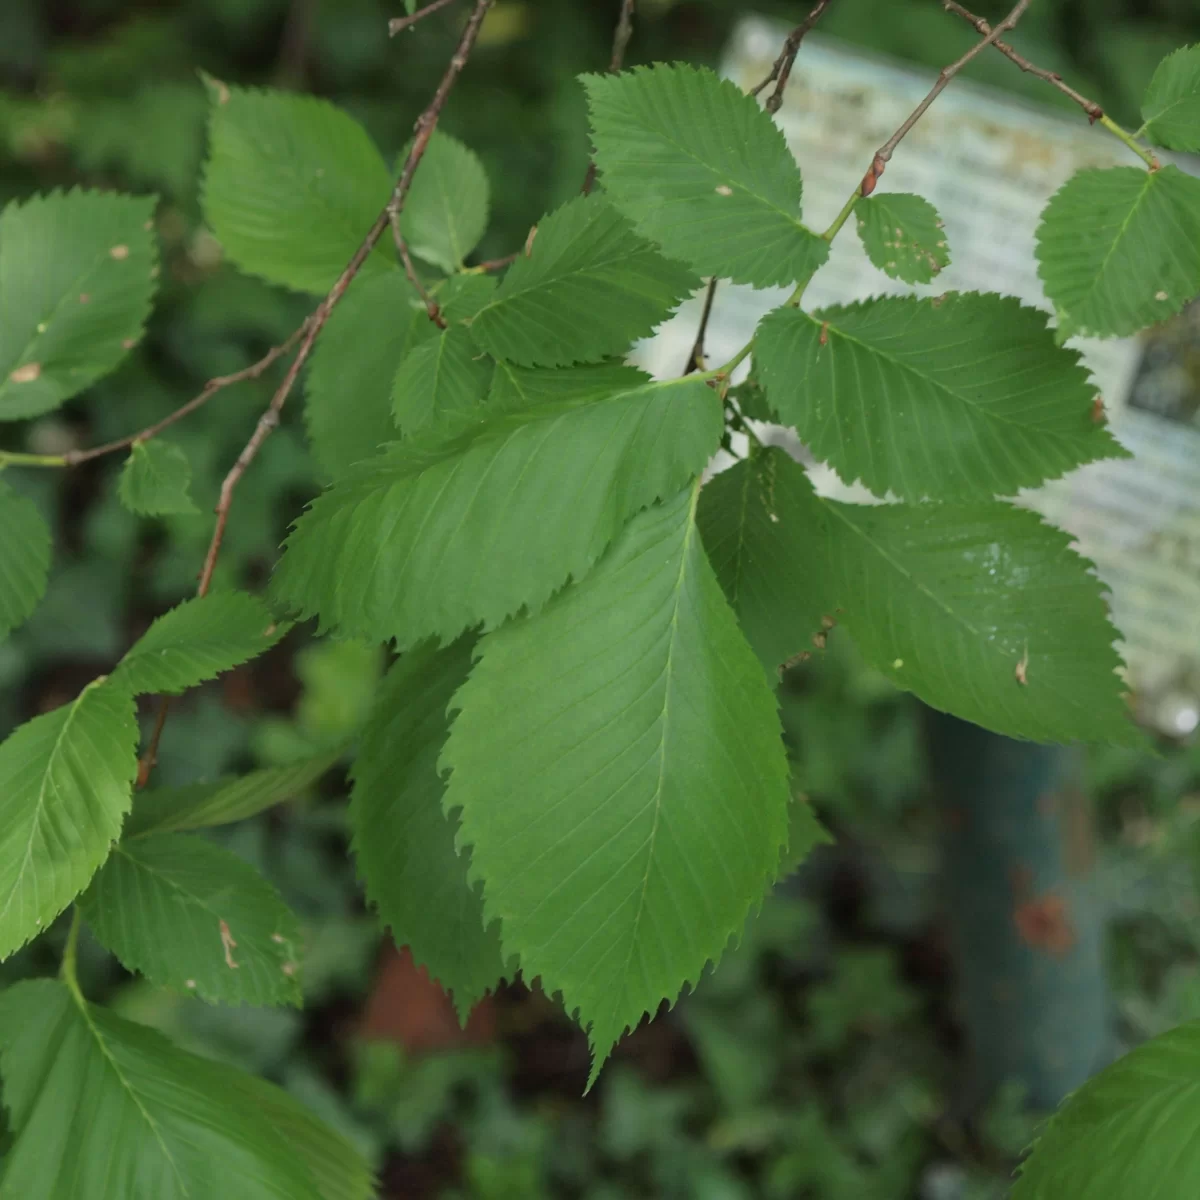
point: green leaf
(198, 640)
(703, 171)
(984, 612)
(199, 805)
(622, 779)
(1132, 1130)
(155, 479)
(447, 208)
(190, 915)
(25, 546)
(1120, 249)
(962, 397)
(403, 841)
(291, 186)
(766, 540)
(348, 396)
(527, 387)
(436, 536)
(65, 783)
(589, 287)
(76, 280)
(903, 236)
(444, 377)
(102, 1108)
(1171, 108)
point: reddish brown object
(1045, 924)
(408, 1007)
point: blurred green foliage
(821, 1060)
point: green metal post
(1021, 903)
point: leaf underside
(436, 536)
(404, 842)
(1119, 249)
(702, 171)
(965, 397)
(191, 916)
(101, 1107)
(76, 281)
(25, 546)
(622, 781)
(65, 783)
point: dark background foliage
(823, 1058)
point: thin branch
(695, 360)
(425, 125)
(884, 154)
(982, 27)
(431, 305)
(400, 24)
(621, 36)
(494, 264)
(73, 458)
(781, 72)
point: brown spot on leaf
(819, 640)
(824, 339)
(222, 92)
(1044, 923)
(529, 241)
(119, 252)
(26, 373)
(723, 189)
(228, 945)
(128, 343)
(1020, 672)
(1161, 296)
(85, 298)
(1098, 411)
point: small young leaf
(984, 612)
(65, 784)
(766, 539)
(958, 398)
(25, 546)
(348, 397)
(447, 208)
(1120, 249)
(444, 377)
(703, 171)
(622, 781)
(101, 1107)
(1171, 107)
(76, 280)
(437, 535)
(589, 287)
(197, 640)
(403, 841)
(903, 236)
(199, 805)
(191, 916)
(155, 479)
(291, 186)
(1131, 1130)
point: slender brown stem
(695, 360)
(495, 264)
(781, 72)
(426, 123)
(1093, 110)
(884, 154)
(400, 24)
(431, 305)
(73, 458)
(621, 36)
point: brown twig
(781, 72)
(496, 264)
(884, 154)
(695, 360)
(621, 36)
(72, 458)
(431, 305)
(425, 125)
(1093, 110)
(400, 24)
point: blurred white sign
(990, 163)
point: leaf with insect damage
(903, 236)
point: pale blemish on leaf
(723, 189)
(1020, 673)
(26, 373)
(119, 252)
(228, 945)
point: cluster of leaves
(575, 767)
